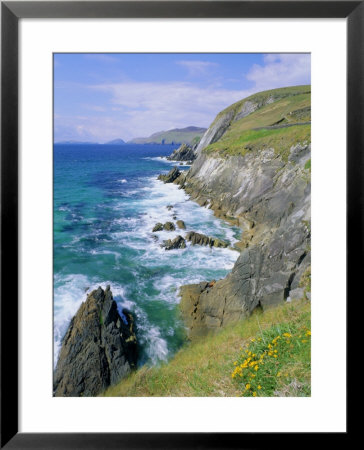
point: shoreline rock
(98, 349)
(183, 153)
(202, 239)
(171, 244)
(171, 176)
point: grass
(281, 140)
(308, 165)
(290, 106)
(278, 362)
(203, 368)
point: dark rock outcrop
(183, 153)
(202, 239)
(157, 227)
(172, 175)
(172, 244)
(169, 226)
(98, 349)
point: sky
(99, 97)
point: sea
(107, 200)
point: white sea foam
(74, 289)
(171, 269)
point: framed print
(156, 220)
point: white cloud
(280, 70)
(133, 109)
(140, 109)
(101, 57)
(197, 68)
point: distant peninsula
(115, 142)
(188, 135)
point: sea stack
(98, 349)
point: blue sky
(100, 97)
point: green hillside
(282, 119)
(212, 365)
(188, 135)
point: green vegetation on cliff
(275, 119)
(204, 368)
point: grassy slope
(183, 137)
(205, 367)
(290, 106)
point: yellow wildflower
(254, 394)
(259, 386)
(287, 335)
(256, 367)
(247, 386)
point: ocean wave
(71, 290)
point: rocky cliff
(98, 349)
(184, 153)
(254, 170)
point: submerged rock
(98, 349)
(172, 175)
(175, 243)
(181, 225)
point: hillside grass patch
(281, 140)
(277, 363)
(203, 368)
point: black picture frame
(11, 12)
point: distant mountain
(188, 135)
(115, 142)
(75, 143)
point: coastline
(260, 187)
(158, 291)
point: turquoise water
(106, 201)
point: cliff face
(98, 349)
(265, 187)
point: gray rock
(175, 243)
(181, 225)
(183, 153)
(158, 227)
(169, 226)
(171, 176)
(98, 349)
(296, 294)
(202, 239)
